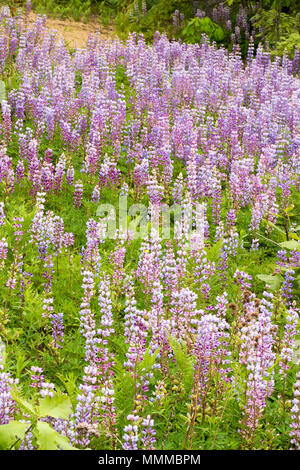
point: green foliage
(26, 332)
(158, 16)
(288, 43)
(214, 251)
(58, 406)
(184, 362)
(11, 433)
(146, 365)
(272, 281)
(76, 9)
(49, 439)
(25, 405)
(279, 29)
(196, 27)
(276, 23)
(291, 245)
(124, 393)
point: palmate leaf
(64, 443)
(58, 406)
(46, 436)
(11, 432)
(275, 227)
(48, 439)
(272, 281)
(24, 404)
(291, 245)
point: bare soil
(76, 33)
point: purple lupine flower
(242, 279)
(57, 329)
(7, 404)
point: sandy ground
(75, 32)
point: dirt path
(75, 32)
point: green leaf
(10, 432)
(289, 209)
(47, 437)
(214, 251)
(63, 442)
(291, 245)
(272, 281)
(184, 362)
(206, 25)
(275, 227)
(294, 236)
(69, 382)
(148, 360)
(219, 34)
(58, 406)
(23, 403)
